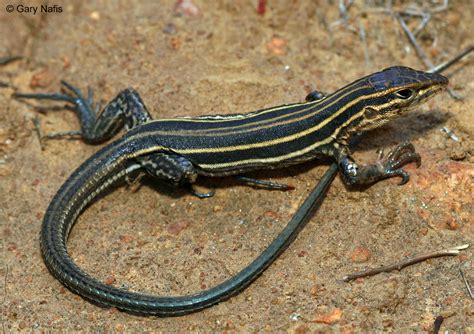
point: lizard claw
(398, 157)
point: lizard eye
(404, 93)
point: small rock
(329, 318)
(4, 171)
(109, 280)
(452, 224)
(448, 300)
(42, 78)
(229, 324)
(463, 258)
(360, 254)
(423, 231)
(277, 46)
(125, 239)
(170, 28)
(176, 228)
(175, 42)
(271, 214)
(66, 62)
(457, 154)
(95, 16)
(301, 329)
(186, 7)
(303, 253)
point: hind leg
(172, 168)
(126, 109)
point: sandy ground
(225, 58)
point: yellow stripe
(233, 117)
(286, 156)
(271, 122)
(279, 140)
(151, 149)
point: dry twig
(363, 38)
(405, 263)
(9, 59)
(441, 67)
(36, 123)
(421, 54)
(344, 14)
(5, 281)
(412, 39)
(468, 287)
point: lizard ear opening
(370, 113)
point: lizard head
(396, 90)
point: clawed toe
(407, 158)
(76, 98)
(401, 149)
(400, 156)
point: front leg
(384, 168)
(127, 109)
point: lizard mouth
(429, 93)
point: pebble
(95, 16)
(360, 255)
(277, 46)
(329, 318)
(109, 280)
(186, 7)
(42, 78)
(176, 228)
(170, 28)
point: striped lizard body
(179, 150)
